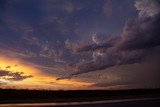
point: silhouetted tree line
(61, 94)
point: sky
(79, 44)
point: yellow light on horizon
(39, 78)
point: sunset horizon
(79, 44)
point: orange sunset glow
(79, 53)
(38, 80)
(79, 44)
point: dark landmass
(47, 96)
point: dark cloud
(37, 29)
(143, 34)
(3, 73)
(61, 78)
(102, 62)
(147, 8)
(8, 66)
(51, 34)
(139, 38)
(109, 42)
(139, 75)
(13, 76)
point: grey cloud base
(139, 39)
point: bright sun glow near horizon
(39, 80)
(79, 44)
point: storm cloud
(67, 38)
(138, 40)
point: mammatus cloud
(139, 38)
(13, 76)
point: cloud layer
(13, 76)
(139, 38)
(67, 38)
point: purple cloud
(139, 37)
(13, 76)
